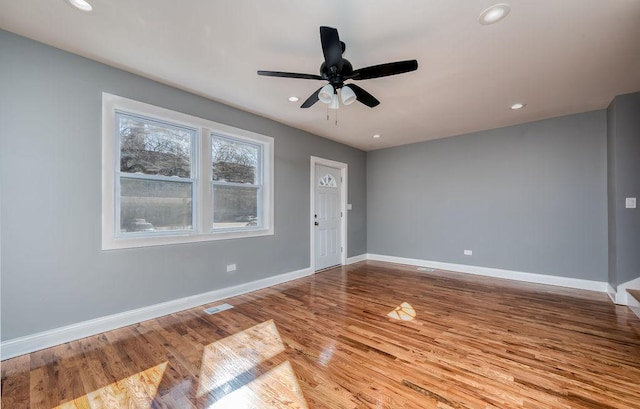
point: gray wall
(611, 193)
(624, 181)
(529, 198)
(53, 271)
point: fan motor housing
(336, 78)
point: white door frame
(343, 206)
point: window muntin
(154, 184)
(164, 172)
(236, 183)
(327, 181)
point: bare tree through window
(235, 183)
(151, 152)
(154, 148)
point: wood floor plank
(332, 341)
(16, 382)
(634, 293)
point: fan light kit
(516, 106)
(81, 5)
(293, 99)
(326, 94)
(336, 70)
(376, 136)
(347, 95)
(494, 14)
(329, 96)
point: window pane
(152, 205)
(154, 148)
(235, 206)
(234, 161)
(328, 181)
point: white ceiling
(559, 57)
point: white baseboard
(611, 292)
(356, 259)
(57, 336)
(623, 297)
(578, 283)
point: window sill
(109, 243)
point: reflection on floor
(277, 388)
(404, 312)
(330, 341)
(225, 377)
(228, 359)
(137, 391)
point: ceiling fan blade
(383, 70)
(331, 47)
(289, 75)
(363, 96)
(312, 99)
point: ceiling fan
(337, 70)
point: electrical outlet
(231, 267)
(468, 252)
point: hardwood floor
(344, 339)
(634, 293)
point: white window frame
(202, 203)
(259, 178)
(192, 180)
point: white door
(327, 217)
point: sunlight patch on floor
(224, 360)
(277, 388)
(137, 391)
(404, 312)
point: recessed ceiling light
(293, 99)
(517, 106)
(81, 5)
(376, 136)
(494, 14)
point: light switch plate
(630, 203)
(349, 206)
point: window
(155, 184)
(328, 181)
(236, 183)
(172, 178)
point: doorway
(328, 213)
